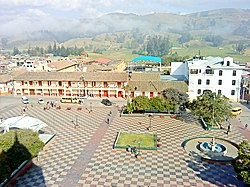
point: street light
(150, 120)
(138, 156)
(76, 123)
(82, 78)
(90, 104)
(139, 142)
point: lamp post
(139, 142)
(138, 156)
(83, 80)
(213, 108)
(150, 121)
(237, 90)
(90, 105)
(76, 123)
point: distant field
(213, 51)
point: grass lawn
(125, 139)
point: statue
(213, 144)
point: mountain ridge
(224, 22)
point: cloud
(18, 16)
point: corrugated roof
(147, 58)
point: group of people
(50, 104)
(24, 109)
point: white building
(214, 74)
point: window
(220, 82)
(199, 81)
(233, 82)
(207, 91)
(207, 82)
(232, 92)
(219, 92)
(220, 73)
(234, 72)
(194, 71)
(209, 71)
(199, 91)
(199, 70)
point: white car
(40, 101)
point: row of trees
(211, 107)
(56, 50)
(170, 100)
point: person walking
(246, 125)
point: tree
(240, 48)
(54, 49)
(175, 95)
(212, 108)
(215, 40)
(242, 164)
(50, 50)
(140, 103)
(156, 104)
(16, 51)
(157, 46)
(185, 37)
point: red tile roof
(102, 60)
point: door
(119, 84)
(105, 93)
(151, 94)
(132, 94)
(60, 92)
(120, 94)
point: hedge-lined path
(169, 166)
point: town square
(85, 156)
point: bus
(69, 99)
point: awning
(23, 122)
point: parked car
(40, 101)
(236, 111)
(25, 100)
(106, 102)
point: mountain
(223, 22)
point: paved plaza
(84, 156)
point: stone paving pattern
(84, 156)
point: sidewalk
(241, 128)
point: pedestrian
(108, 121)
(246, 125)
(110, 113)
(229, 129)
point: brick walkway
(87, 153)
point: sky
(18, 16)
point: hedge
(16, 146)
